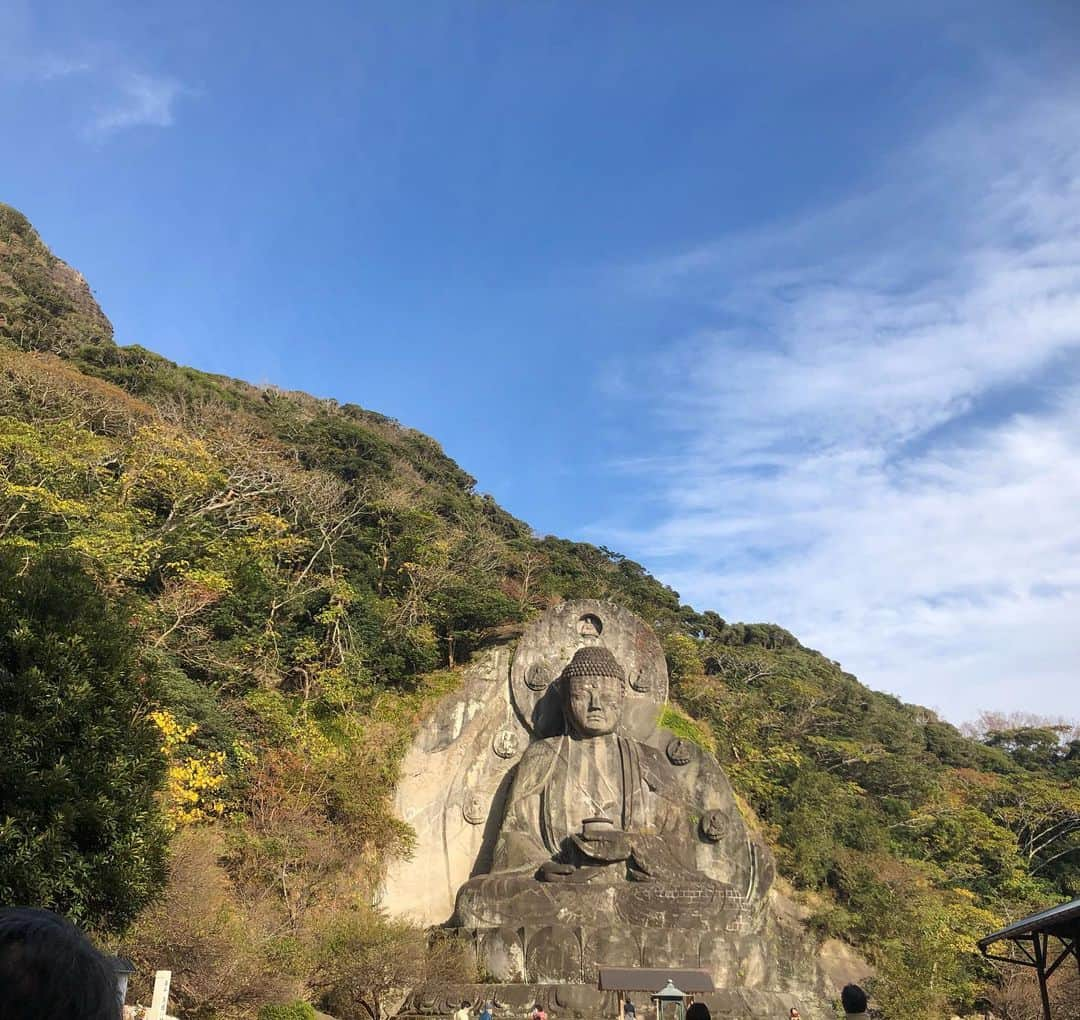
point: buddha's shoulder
(536, 765)
(543, 749)
(544, 746)
(653, 760)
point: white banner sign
(160, 1005)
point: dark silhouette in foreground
(50, 969)
(853, 999)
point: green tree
(362, 959)
(80, 830)
(365, 960)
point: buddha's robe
(561, 781)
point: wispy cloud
(50, 66)
(105, 89)
(877, 441)
(137, 100)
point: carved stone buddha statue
(560, 829)
(597, 824)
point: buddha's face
(594, 704)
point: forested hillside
(224, 607)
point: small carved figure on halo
(536, 678)
(589, 626)
(474, 809)
(505, 743)
(679, 751)
(713, 826)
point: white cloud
(96, 81)
(51, 66)
(139, 100)
(878, 444)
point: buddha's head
(593, 684)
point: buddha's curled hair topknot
(594, 660)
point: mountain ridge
(302, 577)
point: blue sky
(782, 300)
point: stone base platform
(572, 955)
(587, 1002)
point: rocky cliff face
(45, 305)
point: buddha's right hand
(555, 871)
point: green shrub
(288, 1011)
(672, 718)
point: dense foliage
(301, 577)
(912, 839)
(79, 827)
